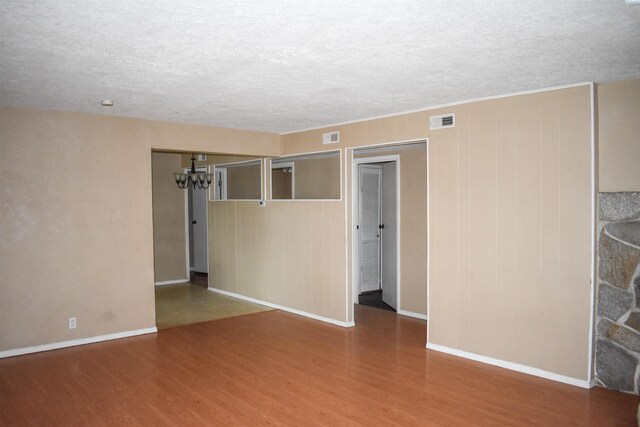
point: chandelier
(200, 180)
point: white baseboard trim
(512, 366)
(412, 314)
(172, 282)
(73, 343)
(283, 308)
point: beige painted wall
(317, 178)
(239, 182)
(278, 253)
(208, 139)
(244, 182)
(216, 159)
(510, 223)
(168, 219)
(280, 184)
(413, 226)
(78, 240)
(510, 231)
(393, 129)
(619, 136)
(283, 253)
(271, 253)
(510, 240)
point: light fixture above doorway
(193, 178)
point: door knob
(194, 222)
(381, 226)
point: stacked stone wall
(617, 355)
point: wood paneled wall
(510, 230)
(510, 223)
(288, 253)
(360, 134)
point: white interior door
(369, 219)
(388, 235)
(199, 230)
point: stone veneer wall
(617, 357)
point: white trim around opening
(355, 250)
(186, 230)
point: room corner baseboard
(283, 308)
(172, 282)
(412, 314)
(76, 342)
(512, 366)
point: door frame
(291, 165)
(220, 187)
(378, 168)
(186, 225)
(355, 212)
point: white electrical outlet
(72, 322)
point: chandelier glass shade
(193, 178)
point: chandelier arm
(193, 163)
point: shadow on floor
(200, 279)
(374, 299)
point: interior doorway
(283, 180)
(376, 213)
(197, 226)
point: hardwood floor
(277, 368)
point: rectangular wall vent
(331, 137)
(443, 121)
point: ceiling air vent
(331, 137)
(443, 121)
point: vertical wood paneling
(574, 252)
(509, 222)
(287, 253)
(506, 205)
(467, 311)
(510, 230)
(413, 233)
(528, 231)
(444, 286)
(480, 215)
(550, 201)
(390, 129)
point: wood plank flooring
(275, 368)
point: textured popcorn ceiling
(288, 65)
